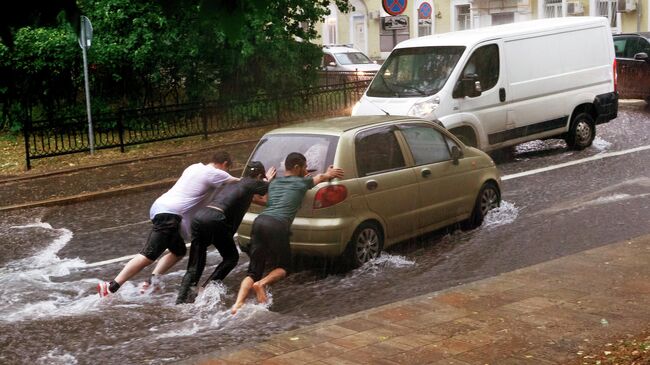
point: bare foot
(260, 292)
(235, 308)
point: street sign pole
(84, 42)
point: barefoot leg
(260, 292)
(244, 290)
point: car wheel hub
(489, 200)
(367, 245)
(583, 132)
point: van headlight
(425, 108)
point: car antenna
(377, 106)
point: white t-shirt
(193, 187)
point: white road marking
(599, 156)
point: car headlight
(355, 108)
(425, 108)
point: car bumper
(309, 236)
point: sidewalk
(549, 313)
(107, 179)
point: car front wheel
(366, 244)
(489, 197)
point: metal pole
(91, 135)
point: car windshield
(352, 58)
(413, 72)
(318, 149)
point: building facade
(375, 32)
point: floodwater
(50, 312)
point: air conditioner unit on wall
(574, 8)
(626, 6)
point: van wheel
(366, 244)
(582, 132)
(489, 197)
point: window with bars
(464, 20)
(607, 9)
(553, 8)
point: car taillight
(330, 195)
(615, 76)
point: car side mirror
(641, 56)
(456, 154)
(332, 64)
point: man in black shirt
(217, 223)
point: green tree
(151, 53)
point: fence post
(120, 128)
(204, 117)
(26, 131)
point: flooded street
(50, 312)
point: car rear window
(318, 149)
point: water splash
(504, 214)
(601, 144)
(26, 290)
(56, 357)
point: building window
(504, 18)
(330, 31)
(463, 20)
(553, 8)
(608, 10)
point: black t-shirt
(235, 198)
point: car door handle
(502, 94)
(371, 185)
(426, 173)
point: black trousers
(209, 227)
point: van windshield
(318, 150)
(414, 72)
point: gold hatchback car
(403, 177)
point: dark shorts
(165, 234)
(269, 246)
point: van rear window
(414, 72)
(318, 149)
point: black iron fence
(47, 138)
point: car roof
(340, 49)
(471, 37)
(642, 34)
(339, 125)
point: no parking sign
(394, 7)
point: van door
(485, 66)
(446, 189)
(390, 187)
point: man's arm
(331, 173)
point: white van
(498, 86)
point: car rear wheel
(489, 197)
(366, 244)
(582, 132)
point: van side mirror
(642, 56)
(456, 154)
(469, 85)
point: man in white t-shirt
(193, 189)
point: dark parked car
(633, 65)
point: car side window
(327, 59)
(377, 151)
(484, 63)
(427, 145)
(644, 46)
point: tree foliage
(152, 53)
